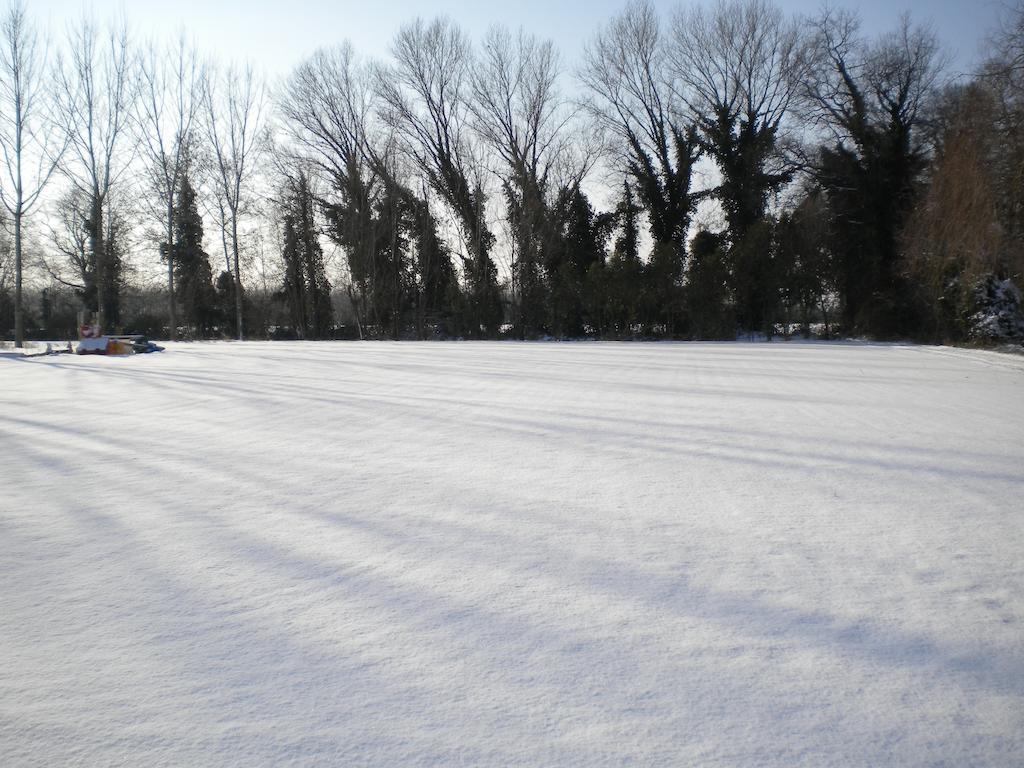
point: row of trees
(466, 189)
(107, 124)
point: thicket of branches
(722, 169)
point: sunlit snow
(513, 554)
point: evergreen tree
(226, 309)
(109, 269)
(483, 294)
(393, 296)
(707, 288)
(625, 285)
(306, 289)
(351, 225)
(294, 289)
(45, 309)
(438, 299)
(527, 220)
(804, 263)
(192, 271)
(754, 278)
(578, 245)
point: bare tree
(1008, 43)
(31, 147)
(853, 85)
(1003, 77)
(953, 235)
(327, 103)
(869, 97)
(518, 111)
(96, 94)
(327, 106)
(425, 100)
(737, 68)
(166, 116)
(625, 73)
(516, 106)
(234, 112)
(74, 266)
(70, 240)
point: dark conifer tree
(873, 96)
(393, 274)
(109, 269)
(226, 310)
(306, 289)
(707, 288)
(192, 270)
(578, 244)
(528, 224)
(625, 284)
(350, 224)
(438, 302)
(294, 289)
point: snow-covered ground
(513, 554)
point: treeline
(717, 170)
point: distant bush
(999, 314)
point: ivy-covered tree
(628, 74)
(306, 288)
(624, 293)
(804, 264)
(577, 245)
(709, 304)
(739, 64)
(872, 97)
(224, 288)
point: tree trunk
(19, 193)
(172, 310)
(238, 276)
(395, 298)
(100, 262)
(19, 312)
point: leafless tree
(96, 95)
(737, 67)
(1003, 78)
(953, 236)
(234, 114)
(425, 99)
(852, 83)
(31, 147)
(70, 241)
(967, 223)
(74, 266)
(515, 104)
(870, 98)
(327, 105)
(518, 111)
(1008, 43)
(626, 76)
(166, 118)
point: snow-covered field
(513, 554)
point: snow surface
(513, 554)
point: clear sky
(276, 34)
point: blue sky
(276, 34)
